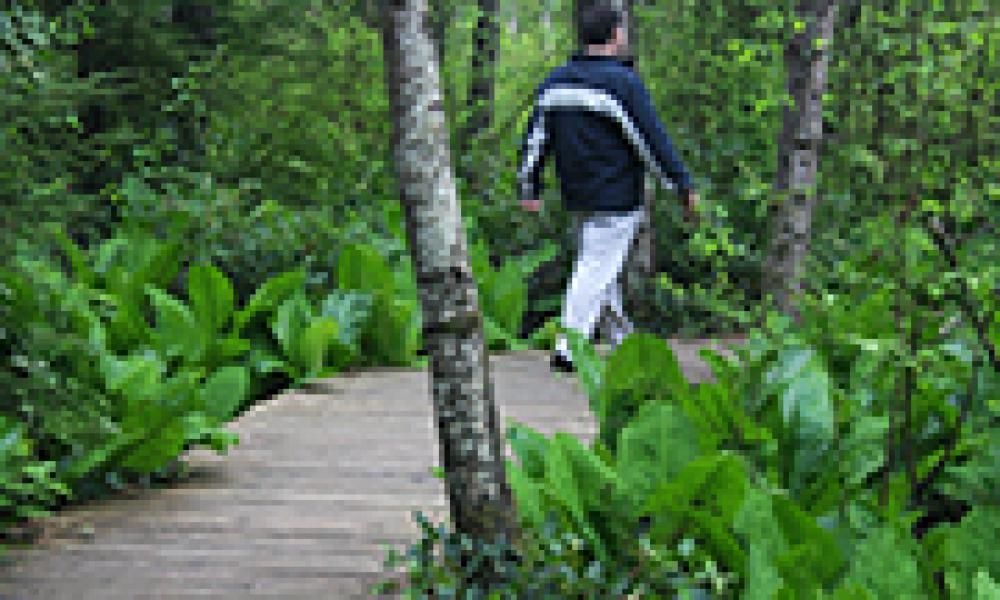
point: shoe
(562, 364)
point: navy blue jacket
(596, 116)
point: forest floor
(322, 481)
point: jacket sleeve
(535, 147)
(666, 162)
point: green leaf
(814, 555)
(230, 348)
(223, 392)
(361, 267)
(99, 456)
(755, 523)
(527, 496)
(164, 443)
(986, 587)
(896, 575)
(863, 448)
(702, 501)
(177, 332)
(968, 549)
(530, 448)
(82, 272)
(507, 298)
(559, 479)
(290, 320)
(653, 448)
(589, 367)
(269, 296)
(136, 377)
(803, 387)
(315, 340)
(391, 334)
(642, 369)
(211, 296)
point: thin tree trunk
(470, 442)
(485, 43)
(806, 58)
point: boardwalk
(300, 509)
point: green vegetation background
(200, 209)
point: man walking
(596, 116)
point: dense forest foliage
(201, 209)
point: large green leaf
(755, 523)
(211, 296)
(803, 387)
(701, 502)
(164, 443)
(177, 332)
(641, 370)
(313, 345)
(507, 297)
(561, 482)
(813, 554)
(304, 338)
(153, 410)
(653, 448)
(504, 290)
(527, 496)
(530, 447)
(862, 451)
(584, 486)
(885, 563)
(986, 587)
(135, 377)
(590, 368)
(391, 332)
(269, 296)
(964, 550)
(361, 267)
(290, 320)
(223, 392)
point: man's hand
(691, 204)
(533, 205)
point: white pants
(604, 243)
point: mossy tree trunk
(479, 106)
(470, 442)
(807, 57)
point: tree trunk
(485, 43)
(806, 58)
(470, 442)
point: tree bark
(485, 43)
(470, 442)
(807, 56)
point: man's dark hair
(597, 25)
